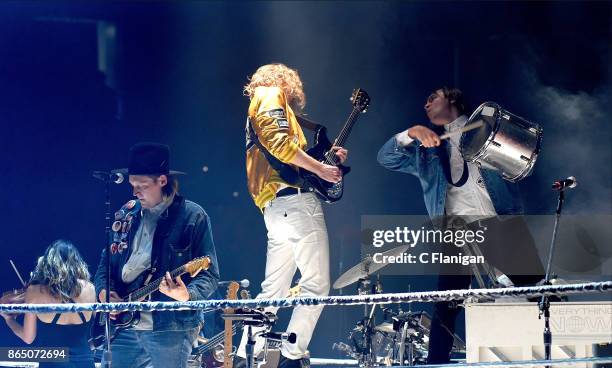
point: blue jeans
(152, 349)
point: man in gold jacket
(297, 235)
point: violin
(16, 296)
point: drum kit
(403, 337)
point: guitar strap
(308, 124)
(286, 172)
(446, 169)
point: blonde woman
(60, 276)
(297, 234)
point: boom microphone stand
(544, 304)
(108, 179)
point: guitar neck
(330, 157)
(227, 344)
(153, 286)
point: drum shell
(506, 142)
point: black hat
(149, 159)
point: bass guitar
(232, 294)
(125, 320)
(322, 152)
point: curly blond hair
(278, 75)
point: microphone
(281, 336)
(114, 177)
(565, 184)
(243, 283)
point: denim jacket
(183, 233)
(426, 165)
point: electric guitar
(321, 151)
(125, 320)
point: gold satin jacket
(274, 123)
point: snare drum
(505, 142)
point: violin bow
(17, 272)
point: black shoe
(285, 362)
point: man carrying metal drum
(454, 187)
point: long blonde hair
(60, 269)
(278, 75)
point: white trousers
(297, 239)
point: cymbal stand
(404, 335)
(485, 268)
(364, 288)
(402, 346)
(472, 249)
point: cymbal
(365, 268)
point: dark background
(175, 73)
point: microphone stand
(107, 355)
(250, 348)
(544, 303)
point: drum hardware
(492, 274)
(254, 318)
(363, 334)
(505, 142)
(402, 339)
(345, 348)
(401, 342)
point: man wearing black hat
(168, 232)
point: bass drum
(505, 142)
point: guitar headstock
(360, 100)
(232, 290)
(244, 294)
(194, 266)
(295, 291)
